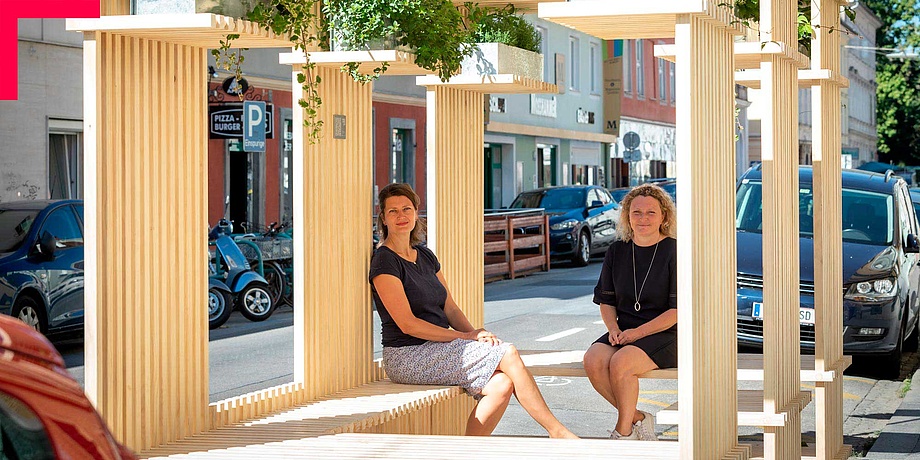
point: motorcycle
(251, 289)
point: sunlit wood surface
(203, 29)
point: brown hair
(418, 233)
(669, 211)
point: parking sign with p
(254, 126)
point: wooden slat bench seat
(379, 406)
(750, 410)
(750, 366)
(362, 446)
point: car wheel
(582, 250)
(891, 363)
(255, 302)
(911, 342)
(30, 312)
(219, 303)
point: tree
(898, 93)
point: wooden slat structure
(398, 62)
(750, 366)
(524, 6)
(750, 411)
(146, 337)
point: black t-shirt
(617, 285)
(424, 291)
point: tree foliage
(898, 113)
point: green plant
(748, 12)
(488, 25)
(905, 387)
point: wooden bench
(750, 366)
(381, 406)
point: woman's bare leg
(527, 393)
(625, 367)
(597, 367)
(489, 410)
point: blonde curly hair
(668, 209)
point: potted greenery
(505, 43)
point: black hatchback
(880, 273)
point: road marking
(653, 402)
(859, 379)
(658, 392)
(599, 322)
(846, 395)
(560, 335)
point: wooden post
(455, 206)
(779, 83)
(332, 221)
(825, 54)
(146, 282)
(705, 241)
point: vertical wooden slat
(780, 230)
(705, 107)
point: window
(574, 64)
(627, 67)
(673, 93)
(547, 65)
(640, 69)
(65, 160)
(62, 224)
(662, 83)
(22, 434)
(595, 66)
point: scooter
(251, 290)
(220, 303)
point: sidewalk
(901, 437)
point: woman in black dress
(637, 294)
(427, 340)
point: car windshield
(867, 216)
(14, 226)
(551, 199)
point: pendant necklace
(636, 287)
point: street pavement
(543, 311)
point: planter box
(498, 58)
(232, 8)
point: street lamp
(903, 54)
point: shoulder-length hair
(421, 227)
(668, 210)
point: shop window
(546, 166)
(584, 175)
(402, 156)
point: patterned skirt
(467, 363)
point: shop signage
(226, 121)
(339, 127)
(584, 117)
(541, 106)
(613, 85)
(254, 116)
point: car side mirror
(913, 244)
(596, 204)
(47, 245)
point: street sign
(226, 121)
(254, 126)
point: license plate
(806, 315)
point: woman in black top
(426, 337)
(637, 294)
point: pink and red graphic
(11, 11)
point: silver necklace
(636, 287)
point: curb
(901, 437)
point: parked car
(41, 264)
(915, 198)
(43, 411)
(582, 219)
(880, 272)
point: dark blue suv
(41, 264)
(880, 272)
(582, 219)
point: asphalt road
(546, 311)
